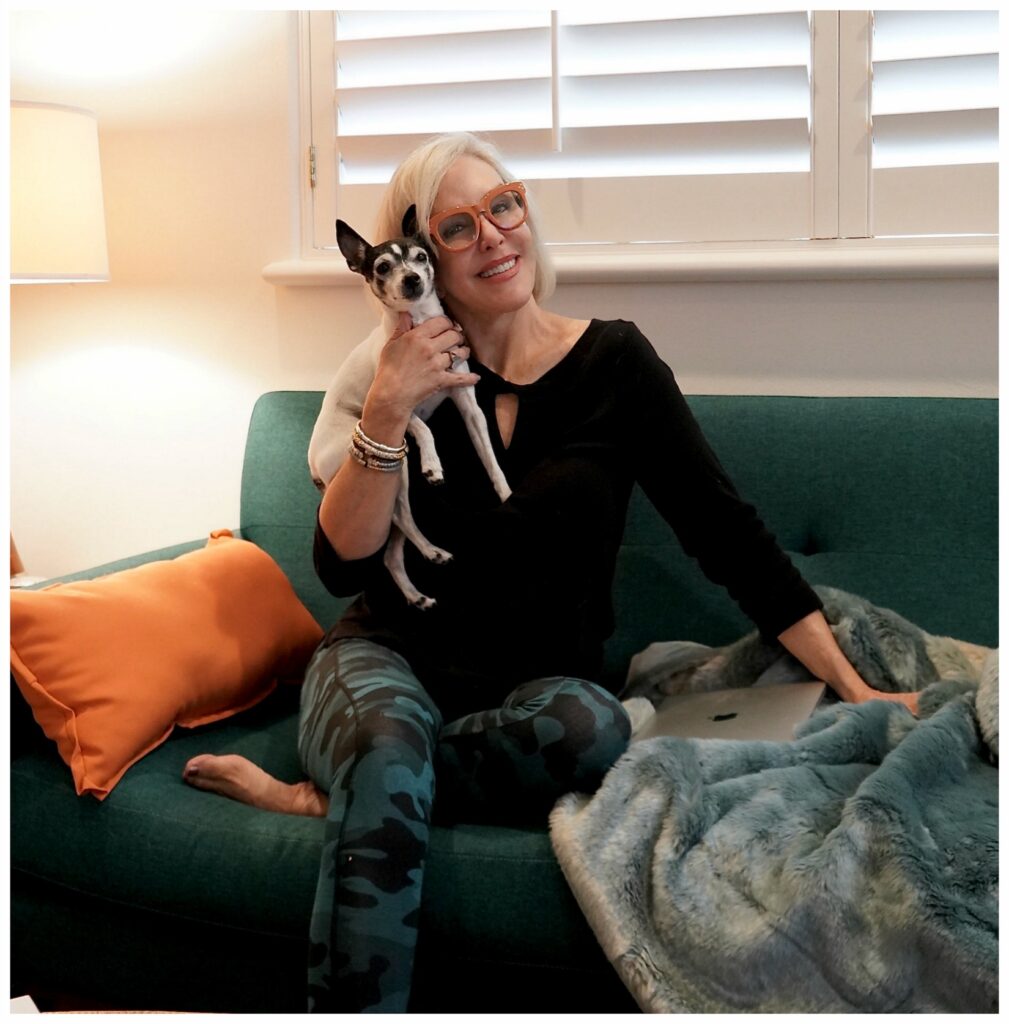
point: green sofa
(166, 897)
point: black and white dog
(400, 272)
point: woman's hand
(413, 366)
(909, 700)
(358, 504)
(811, 641)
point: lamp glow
(57, 209)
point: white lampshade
(57, 211)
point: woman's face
(462, 276)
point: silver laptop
(749, 713)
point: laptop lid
(748, 713)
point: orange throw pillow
(110, 666)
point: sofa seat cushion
(156, 843)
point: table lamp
(57, 210)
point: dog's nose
(411, 284)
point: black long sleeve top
(528, 592)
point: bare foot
(237, 777)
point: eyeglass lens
(506, 210)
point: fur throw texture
(891, 654)
(853, 869)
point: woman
(578, 410)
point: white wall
(130, 400)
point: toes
(199, 778)
(191, 772)
(217, 770)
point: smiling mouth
(501, 268)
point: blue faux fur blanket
(854, 868)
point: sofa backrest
(895, 499)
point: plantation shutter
(934, 122)
(630, 128)
(634, 127)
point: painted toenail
(193, 770)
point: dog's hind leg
(403, 526)
(476, 425)
(403, 518)
(393, 561)
(430, 464)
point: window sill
(803, 260)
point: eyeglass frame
(483, 207)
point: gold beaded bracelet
(377, 448)
(375, 455)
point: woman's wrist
(851, 687)
(384, 421)
(812, 642)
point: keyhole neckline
(510, 411)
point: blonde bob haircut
(417, 179)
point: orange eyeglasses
(459, 228)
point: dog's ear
(411, 229)
(352, 245)
(410, 226)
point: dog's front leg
(430, 464)
(476, 425)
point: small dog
(400, 272)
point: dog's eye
(382, 269)
(422, 257)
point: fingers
(440, 324)
(456, 354)
(434, 328)
(436, 334)
(446, 340)
(460, 380)
(414, 365)
(434, 346)
(458, 351)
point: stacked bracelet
(375, 455)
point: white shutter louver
(709, 116)
(403, 76)
(935, 122)
(717, 95)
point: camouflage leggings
(372, 738)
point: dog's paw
(423, 602)
(434, 476)
(439, 556)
